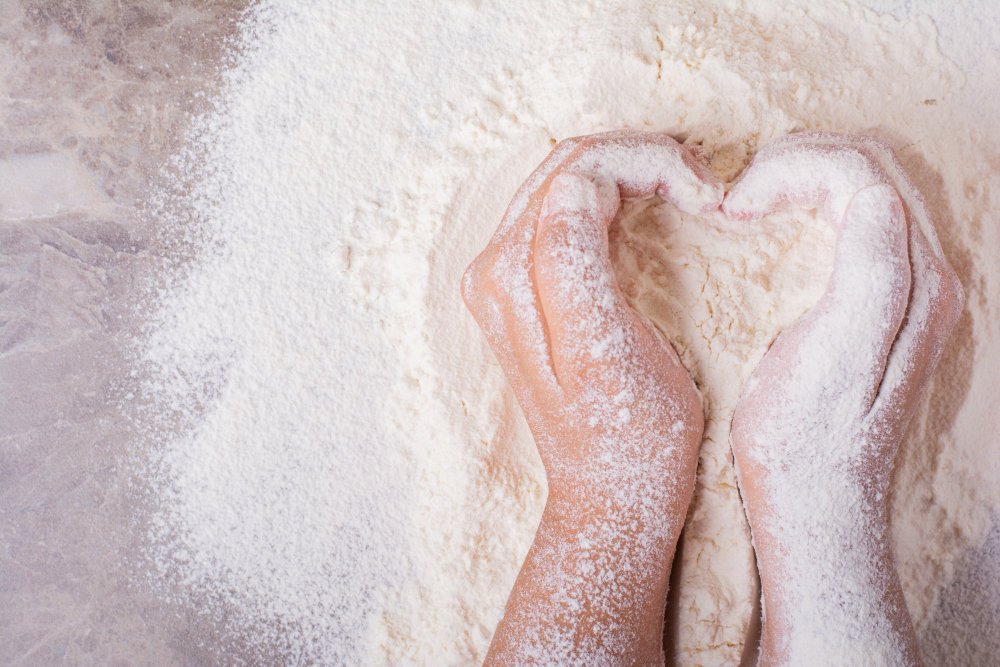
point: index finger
(808, 170)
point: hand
(817, 430)
(603, 392)
(616, 418)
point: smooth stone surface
(94, 96)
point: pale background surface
(93, 98)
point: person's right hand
(817, 429)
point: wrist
(606, 569)
(639, 505)
(813, 538)
(632, 472)
(828, 577)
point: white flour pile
(352, 481)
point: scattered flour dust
(342, 475)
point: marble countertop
(94, 97)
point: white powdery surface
(341, 474)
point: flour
(351, 480)
(721, 291)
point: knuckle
(470, 284)
(953, 294)
(864, 154)
(959, 292)
(552, 235)
(878, 144)
(475, 281)
(948, 296)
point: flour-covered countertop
(244, 417)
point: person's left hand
(604, 394)
(616, 418)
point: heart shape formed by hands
(617, 420)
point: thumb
(836, 354)
(591, 327)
